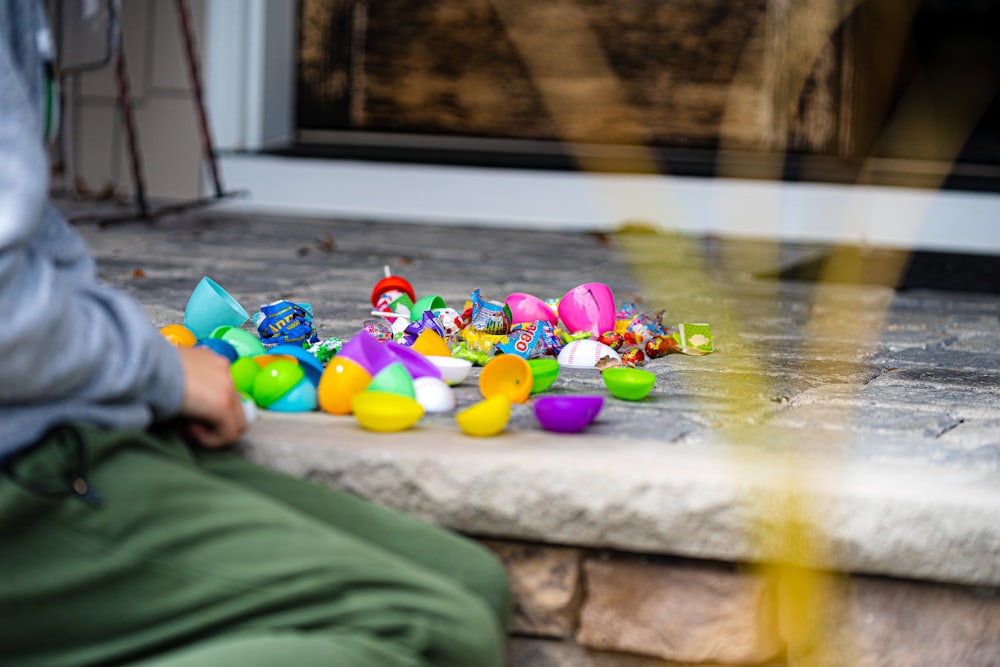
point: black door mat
(900, 269)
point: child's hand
(211, 404)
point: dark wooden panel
(676, 73)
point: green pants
(200, 558)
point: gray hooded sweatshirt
(71, 350)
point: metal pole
(125, 101)
(193, 70)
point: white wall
(164, 111)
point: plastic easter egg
(368, 353)
(431, 302)
(386, 413)
(275, 380)
(434, 395)
(244, 371)
(585, 353)
(453, 370)
(392, 284)
(588, 307)
(209, 307)
(544, 373)
(416, 364)
(300, 398)
(393, 379)
(567, 414)
(220, 347)
(245, 343)
(430, 344)
(342, 380)
(179, 335)
(528, 308)
(263, 360)
(310, 364)
(506, 374)
(630, 384)
(486, 418)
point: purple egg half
(567, 414)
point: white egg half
(434, 394)
(585, 353)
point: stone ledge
(645, 496)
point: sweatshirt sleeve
(64, 336)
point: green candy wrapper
(695, 338)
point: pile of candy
(404, 360)
(529, 327)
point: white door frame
(249, 65)
(249, 61)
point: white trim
(876, 216)
(249, 60)
(224, 71)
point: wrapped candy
(426, 322)
(477, 357)
(451, 321)
(612, 339)
(325, 350)
(285, 322)
(490, 317)
(633, 357)
(660, 346)
(377, 329)
(526, 340)
(480, 341)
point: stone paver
(862, 418)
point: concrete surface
(837, 425)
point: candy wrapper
(529, 340)
(490, 317)
(285, 322)
(627, 311)
(612, 339)
(414, 329)
(477, 357)
(452, 322)
(695, 338)
(661, 346)
(633, 357)
(567, 337)
(377, 329)
(480, 341)
(325, 350)
(554, 305)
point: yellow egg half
(430, 344)
(486, 418)
(341, 381)
(385, 412)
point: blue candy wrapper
(528, 340)
(286, 322)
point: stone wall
(592, 608)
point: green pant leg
(179, 559)
(440, 550)
(295, 649)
